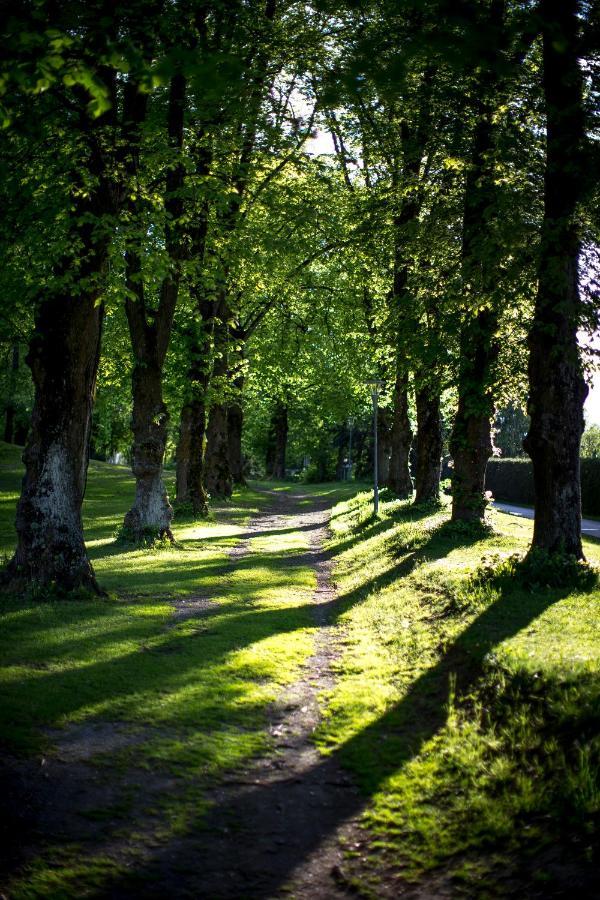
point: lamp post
(350, 426)
(375, 384)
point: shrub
(511, 480)
(537, 570)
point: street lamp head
(375, 384)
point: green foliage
(511, 480)
(537, 570)
(510, 427)
(590, 442)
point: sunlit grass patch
(192, 694)
(468, 708)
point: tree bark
(217, 471)
(151, 513)
(235, 426)
(384, 445)
(217, 474)
(471, 441)
(9, 422)
(63, 358)
(428, 445)
(182, 454)
(192, 427)
(557, 388)
(190, 455)
(341, 442)
(278, 435)
(399, 479)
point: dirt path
(275, 828)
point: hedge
(511, 480)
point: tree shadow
(280, 820)
(379, 750)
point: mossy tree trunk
(399, 479)
(557, 389)
(428, 444)
(151, 513)
(63, 357)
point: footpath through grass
(467, 703)
(152, 699)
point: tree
(557, 389)
(150, 328)
(64, 349)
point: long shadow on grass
(173, 659)
(198, 658)
(376, 752)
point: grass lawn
(467, 701)
(191, 696)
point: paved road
(589, 527)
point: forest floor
(300, 700)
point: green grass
(467, 702)
(193, 696)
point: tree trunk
(63, 357)
(384, 445)
(399, 479)
(428, 445)
(235, 424)
(235, 420)
(9, 423)
(340, 465)
(556, 386)
(471, 441)
(270, 451)
(192, 426)
(190, 452)
(281, 437)
(217, 472)
(278, 435)
(182, 455)
(151, 513)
